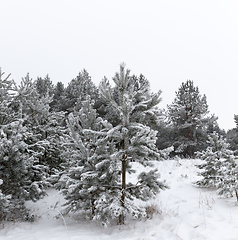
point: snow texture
(182, 212)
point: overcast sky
(168, 41)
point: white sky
(167, 41)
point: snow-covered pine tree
(189, 116)
(135, 140)
(232, 136)
(45, 126)
(9, 208)
(44, 86)
(90, 170)
(78, 90)
(23, 178)
(213, 157)
(232, 139)
(7, 95)
(59, 98)
(227, 184)
(54, 130)
(220, 167)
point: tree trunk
(236, 195)
(93, 207)
(123, 185)
(190, 138)
(122, 217)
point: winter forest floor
(184, 212)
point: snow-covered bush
(219, 168)
(227, 184)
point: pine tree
(58, 102)
(38, 119)
(189, 116)
(228, 177)
(9, 208)
(232, 136)
(44, 86)
(220, 166)
(78, 90)
(213, 157)
(90, 169)
(232, 139)
(135, 140)
(21, 146)
(23, 177)
(8, 112)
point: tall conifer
(135, 140)
(189, 116)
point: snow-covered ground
(184, 212)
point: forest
(83, 140)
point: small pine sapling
(227, 185)
(220, 167)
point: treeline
(83, 139)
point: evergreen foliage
(90, 144)
(24, 178)
(7, 95)
(165, 135)
(4, 204)
(44, 86)
(45, 126)
(135, 140)
(51, 134)
(57, 103)
(90, 171)
(228, 180)
(78, 90)
(232, 136)
(213, 157)
(189, 116)
(35, 112)
(12, 209)
(20, 171)
(232, 139)
(220, 166)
